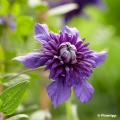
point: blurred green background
(101, 29)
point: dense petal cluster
(69, 61)
(8, 21)
(81, 5)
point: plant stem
(24, 71)
(71, 111)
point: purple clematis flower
(69, 60)
(81, 5)
(8, 21)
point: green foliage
(15, 9)
(14, 78)
(4, 7)
(12, 96)
(25, 25)
(113, 15)
(41, 8)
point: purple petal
(100, 4)
(56, 3)
(100, 57)
(11, 23)
(2, 20)
(32, 60)
(84, 91)
(58, 92)
(70, 31)
(54, 36)
(41, 33)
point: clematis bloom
(76, 12)
(69, 61)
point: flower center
(68, 52)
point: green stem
(24, 71)
(71, 111)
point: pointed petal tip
(19, 58)
(100, 57)
(44, 26)
(103, 54)
(32, 60)
(41, 32)
(69, 30)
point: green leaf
(41, 8)
(25, 25)
(12, 97)
(1, 102)
(10, 79)
(15, 9)
(4, 7)
(2, 58)
(19, 117)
